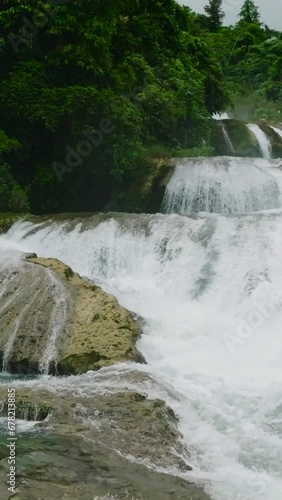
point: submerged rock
(106, 446)
(72, 468)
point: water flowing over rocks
(205, 277)
(242, 140)
(224, 185)
(238, 138)
(103, 442)
(54, 321)
(88, 439)
(275, 137)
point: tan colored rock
(95, 330)
(101, 332)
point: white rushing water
(13, 287)
(221, 116)
(262, 139)
(209, 287)
(22, 425)
(224, 185)
(228, 140)
(57, 322)
(277, 130)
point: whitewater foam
(223, 185)
(262, 139)
(194, 280)
(209, 288)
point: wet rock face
(124, 421)
(72, 468)
(27, 410)
(96, 447)
(26, 307)
(275, 139)
(53, 321)
(146, 193)
(242, 140)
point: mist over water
(209, 287)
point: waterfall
(278, 131)
(223, 185)
(262, 139)
(209, 288)
(228, 140)
(221, 116)
(57, 322)
(24, 293)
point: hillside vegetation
(90, 92)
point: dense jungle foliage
(91, 90)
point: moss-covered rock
(26, 409)
(110, 418)
(91, 329)
(146, 193)
(7, 220)
(243, 141)
(103, 447)
(275, 139)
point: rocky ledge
(111, 446)
(53, 320)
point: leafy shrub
(12, 197)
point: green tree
(249, 12)
(12, 197)
(65, 68)
(215, 14)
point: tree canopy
(215, 14)
(250, 12)
(91, 91)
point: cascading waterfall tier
(209, 287)
(262, 139)
(224, 185)
(210, 290)
(278, 131)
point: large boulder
(54, 321)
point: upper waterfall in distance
(224, 185)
